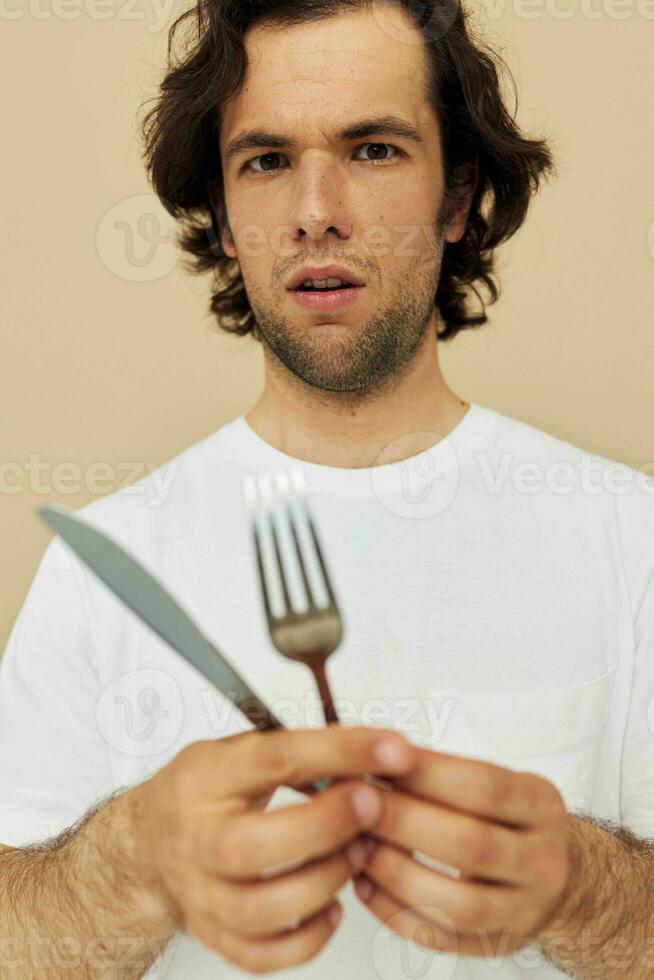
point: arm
(76, 904)
(605, 926)
(56, 905)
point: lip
(327, 272)
(326, 302)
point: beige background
(107, 353)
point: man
(496, 583)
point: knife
(154, 605)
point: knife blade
(154, 605)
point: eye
(264, 156)
(271, 156)
(377, 145)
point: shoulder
(562, 463)
(607, 497)
(166, 496)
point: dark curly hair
(181, 140)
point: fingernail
(390, 754)
(357, 853)
(364, 887)
(366, 802)
(334, 913)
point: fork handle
(320, 675)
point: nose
(314, 232)
(319, 210)
(317, 234)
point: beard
(368, 358)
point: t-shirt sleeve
(54, 762)
(637, 781)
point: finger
(246, 845)
(382, 782)
(447, 902)
(516, 798)
(274, 953)
(410, 923)
(475, 847)
(257, 909)
(260, 761)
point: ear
(226, 239)
(466, 179)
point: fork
(311, 635)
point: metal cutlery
(154, 605)
(308, 633)
(311, 634)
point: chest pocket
(554, 732)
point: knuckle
(545, 798)
(241, 749)
(473, 912)
(552, 801)
(475, 845)
(359, 733)
(532, 859)
(187, 772)
(561, 878)
(232, 854)
(556, 874)
(522, 923)
(535, 860)
(317, 939)
(252, 910)
(526, 861)
(311, 942)
(495, 788)
(184, 757)
(206, 931)
(253, 959)
(555, 866)
(273, 752)
(194, 754)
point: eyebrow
(255, 139)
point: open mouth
(317, 289)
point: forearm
(77, 906)
(605, 927)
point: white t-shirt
(497, 591)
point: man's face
(371, 204)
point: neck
(358, 429)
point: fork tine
(262, 576)
(300, 487)
(250, 490)
(268, 498)
(283, 484)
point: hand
(204, 845)
(506, 831)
